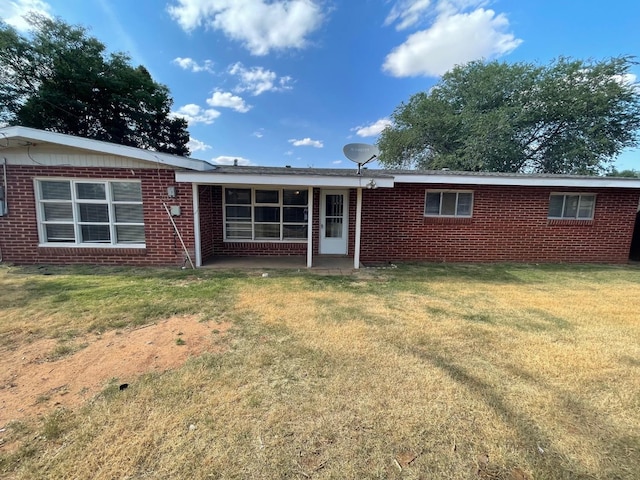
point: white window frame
(564, 201)
(77, 224)
(280, 204)
(440, 214)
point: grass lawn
(421, 372)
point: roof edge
(45, 136)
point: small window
(571, 206)
(448, 204)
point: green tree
(61, 79)
(571, 116)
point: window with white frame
(572, 206)
(448, 203)
(266, 214)
(97, 213)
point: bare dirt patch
(32, 384)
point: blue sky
(274, 82)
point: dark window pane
(295, 197)
(60, 233)
(93, 212)
(448, 204)
(126, 191)
(58, 212)
(55, 190)
(91, 191)
(555, 206)
(129, 213)
(267, 196)
(294, 214)
(464, 204)
(130, 234)
(334, 205)
(239, 231)
(267, 214)
(237, 196)
(239, 214)
(433, 204)
(267, 231)
(571, 206)
(294, 231)
(95, 233)
(587, 203)
(334, 228)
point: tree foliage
(571, 116)
(61, 79)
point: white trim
(328, 181)
(74, 201)
(32, 136)
(310, 229)
(196, 224)
(356, 250)
(593, 182)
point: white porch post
(196, 224)
(356, 252)
(310, 229)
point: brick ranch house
(65, 199)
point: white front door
(334, 221)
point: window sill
(587, 222)
(94, 246)
(447, 220)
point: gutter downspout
(310, 229)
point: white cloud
(259, 133)
(187, 63)
(257, 80)
(227, 160)
(13, 11)
(195, 145)
(337, 162)
(228, 100)
(260, 25)
(372, 129)
(306, 142)
(407, 12)
(193, 114)
(455, 37)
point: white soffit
(362, 181)
(523, 181)
(24, 136)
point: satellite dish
(360, 153)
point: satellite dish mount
(360, 153)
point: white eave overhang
(297, 180)
(25, 136)
(522, 181)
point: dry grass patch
(494, 372)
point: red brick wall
(19, 233)
(508, 224)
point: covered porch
(312, 216)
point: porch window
(266, 214)
(571, 206)
(448, 204)
(87, 212)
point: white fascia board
(282, 180)
(588, 182)
(35, 135)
